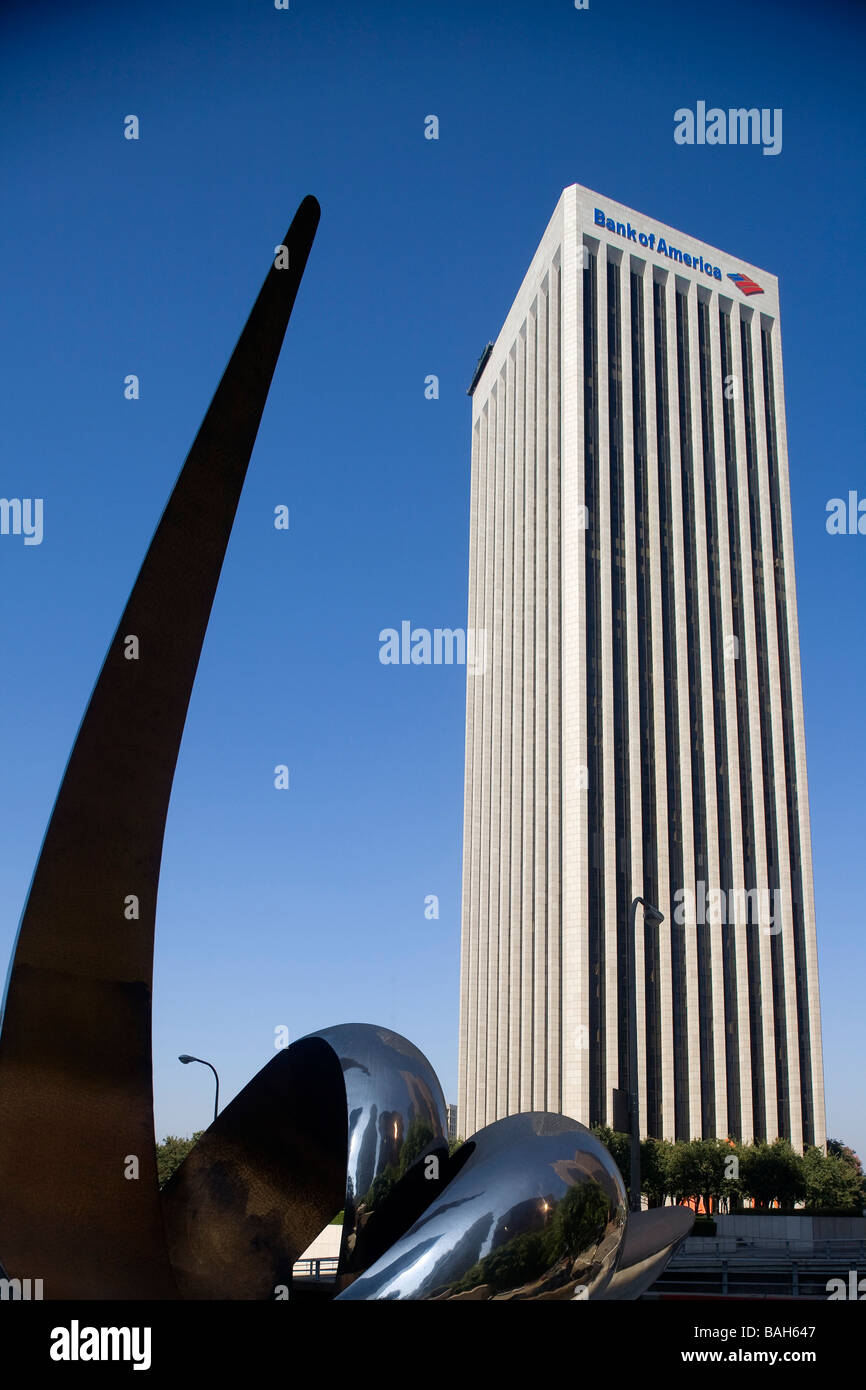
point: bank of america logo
(746, 285)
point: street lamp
(185, 1057)
(650, 914)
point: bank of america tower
(637, 727)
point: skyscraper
(638, 727)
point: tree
(572, 1234)
(656, 1167)
(698, 1171)
(171, 1153)
(579, 1221)
(618, 1146)
(419, 1136)
(832, 1183)
(773, 1172)
(837, 1149)
(734, 1188)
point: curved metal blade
(262, 1181)
(341, 1118)
(651, 1238)
(76, 1088)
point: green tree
(698, 1171)
(734, 1188)
(419, 1136)
(577, 1226)
(521, 1261)
(836, 1149)
(618, 1146)
(832, 1183)
(773, 1172)
(656, 1167)
(579, 1220)
(171, 1153)
(685, 1178)
(381, 1187)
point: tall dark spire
(79, 1203)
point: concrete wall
(802, 1234)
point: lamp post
(651, 914)
(185, 1057)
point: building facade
(638, 727)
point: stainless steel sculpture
(537, 1212)
(531, 1207)
(651, 1238)
(343, 1118)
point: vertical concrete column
(715, 1026)
(803, 829)
(681, 621)
(576, 1041)
(495, 661)
(502, 1021)
(635, 871)
(736, 933)
(659, 743)
(527, 932)
(749, 656)
(539, 1037)
(487, 735)
(515, 1030)
(776, 713)
(612, 1001)
(553, 1009)
(471, 817)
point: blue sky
(306, 908)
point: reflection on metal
(262, 1181)
(651, 1238)
(397, 1118)
(538, 1211)
(342, 1118)
(76, 1087)
(533, 1207)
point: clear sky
(305, 907)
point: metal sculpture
(651, 1237)
(343, 1118)
(532, 1207)
(76, 1084)
(537, 1212)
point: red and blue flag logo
(746, 285)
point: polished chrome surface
(538, 1211)
(651, 1238)
(396, 1116)
(338, 1119)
